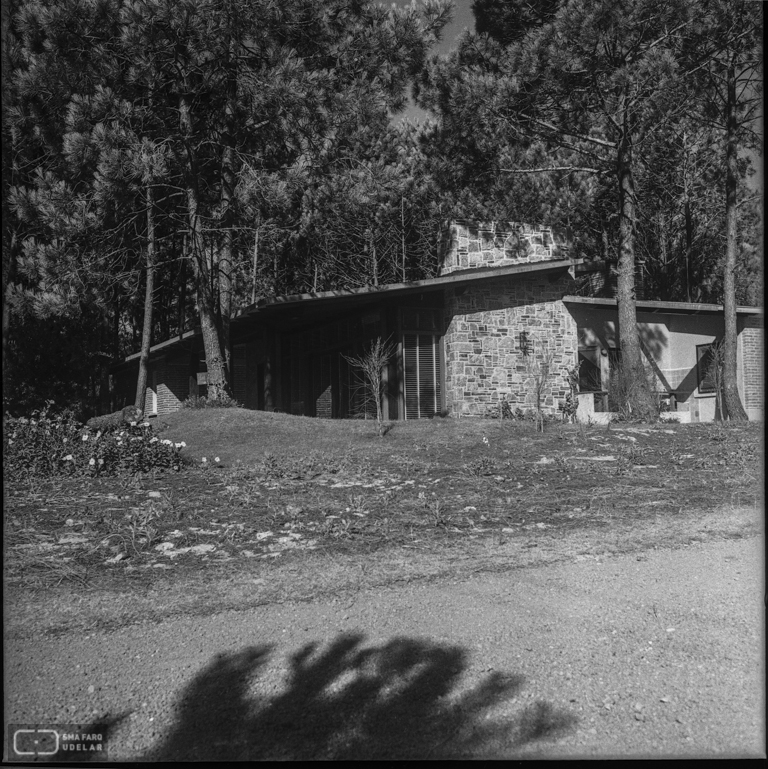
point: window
(614, 358)
(589, 370)
(704, 368)
(421, 363)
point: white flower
(98, 434)
(101, 461)
(133, 424)
(178, 445)
(485, 440)
(144, 424)
(91, 461)
(217, 460)
(69, 458)
(85, 437)
(166, 442)
(10, 441)
(153, 439)
(204, 459)
(183, 445)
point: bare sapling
(371, 365)
(538, 368)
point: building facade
(503, 308)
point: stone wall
(471, 245)
(483, 359)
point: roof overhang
(647, 305)
(369, 293)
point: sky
(462, 19)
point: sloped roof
(272, 307)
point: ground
(447, 554)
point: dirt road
(650, 654)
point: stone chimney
(473, 245)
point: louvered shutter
(411, 366)
(422, 375)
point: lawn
(289, 508)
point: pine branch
(552, 168)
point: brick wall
(472, 245)
(752, 361)
(483, 359)
(172, 385)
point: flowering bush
(48, 444)
(201, 402)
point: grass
(297, 507)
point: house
(677, 340)
(507, 296)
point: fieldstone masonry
(483, 355)
(498, 244)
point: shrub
(201, 402)
(47, 444)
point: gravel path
(642, 655)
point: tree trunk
(688, 245)
(182, 309)
(225, 261)
(402, 231)
(255, 264)
(116, 325)
(227, 218)
(146, 334)
(688, 223)
(9, 244)
(206, 305)
(640, 401)
(733, 407)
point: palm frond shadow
(393, 701)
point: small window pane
(706, 375)
(589, 370)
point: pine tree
(578, 88)
(723, 53)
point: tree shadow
(394, 701)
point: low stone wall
(483, 357)
(498, 244)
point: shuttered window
(705, 368)
(421, 363)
